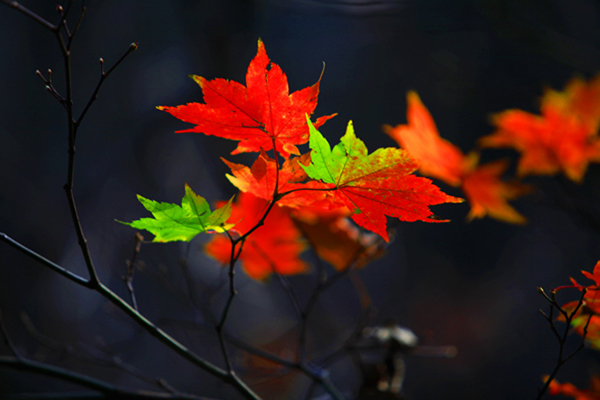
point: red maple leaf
(260, 115)
(274, 247)
(563, 138)
(373, 185)
(486, 192)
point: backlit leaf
(273, 247)
(261, 178)
(486, 192)
(373, 185)
(182, 223)
(260, 115)
(438, 158)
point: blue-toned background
(472, 285)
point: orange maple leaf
(261, 178)
(563, 138)
(260, 115)
(274, 247)
(488, 195)
(438, 158)
(335, 239)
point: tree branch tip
(133, 46)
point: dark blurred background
(471, 285)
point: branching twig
(103, 76)
(562, 338)
(94, 282)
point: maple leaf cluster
(564, 138)
(346, 181)
(289, 199)
(439, 158)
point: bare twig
(128, 278)
(104, 388)
(103, 77)
(30, 14)
(44, 261)
(562, 338)
(94, 282)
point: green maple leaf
(373, 185)
(174, 223)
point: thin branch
(156, 332)
(291, 293)
(562, 338)
(78, 25)
(30, 14)
(106, 389)
(63, 18)
(103, 77)
(50, 87)
(44, 261)
(128, 278)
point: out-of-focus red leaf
(437, 157)
(335, 239)
(486, 192)
(563, 138)
(570, 390)
(274, 247)
(488, 195)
